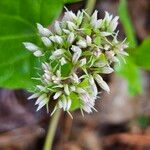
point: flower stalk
(52, 130)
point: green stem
(90, 6)
(51, 131)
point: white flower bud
(43, 31)
(102, 83)
(71, 25)
(88, 40)
(45, 66)
(82, 44)
(75, 48)
(30, 46)
(63, 61)
(123, 53)
(73, 88)
(87, 108)
(69, 16)
(110, 54)
(94, 17)
(66, 89)
(76, 56)
(82, 62)
(97, 52)
(75, 78)
(42, 103)
(46, 41)
(68, 103)
(93, 86)
(43, 96)
(57, 95)
(107, 17)
(57, 53)
(114, 23)
(38, 53)
(33, 96)
(107, 70)
(106, 47)
(57, 28)
(94, 22)
(71, 38)
(47, 76)
(40, 87)
(105, 33)
(58, 39)
(64, 103)
(66, 31)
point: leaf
(66, 69)
(76, 102)
(18, 19)
(126, 22)
(142, 54)
(71, 1)
(130, 70)
(131, 73)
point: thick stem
(90, 6)
(51, 131)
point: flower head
(74, 57)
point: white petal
(114, 23)
(72, 88)
(43, 31)
(93, 87)
(40, 87)
(30, 46)
(82, 62)
(46, 41)
(88, 40)
(87, 109)
(35, 95)
(66, 31)
(76, 56)
(94, 17)
(71, 25)
(43, 96)
(57, 53)
(82, 44)
(75, 48)
(42, 103)
(45, 66)
(64, 104)
(105, 33)
(57, 95)
(66, 89)
(107, 70)
(102, 83)
(38, 53)
(68, 104)
(57, 28)
(75, 78)
(63, 61)
(71, 38)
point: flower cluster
(75, 54)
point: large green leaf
(142, 54)
(126, 22)
(131, 73)
(130, 70)
(18, 20)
